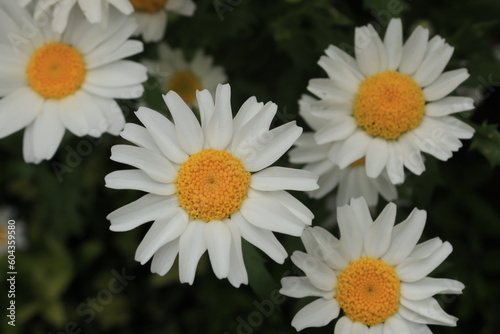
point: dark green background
(269, 49)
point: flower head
(53, 82)
(60, 10)
(152, 16)
(209, 184)
(390, 103)
(351, 181)
(376, 273)
(173, 72)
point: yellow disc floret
(150, 6)
(56, 70)
(389, 104)
(212, 184)
(185, 83)
(368, 291)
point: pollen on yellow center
(56, 70)
(212, 184)
(185, 83)
(368, 291)
(151, 6)
(389, 104)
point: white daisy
(375, 273)
(151, 16)
(53, 81)
(59, 10)
(352, 181)
(173, 72)
(390, 103)
(209, 185)
(16, 232)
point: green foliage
(270, 50)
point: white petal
(378, 238)
(449, 105)
(428, 287)
(445, 84)
(154, 164)
(405, 236)
(18, 109)
(163, 231)
(291, 203)
(414, 50)
(429, 308)
(343, 326)
(433, 65)
(326, 89)
(139, 136)
(426, 248)
(366, 51)
(48, 131)
(109, 53)
(254, 132)
(340, 74)
(318, 272)
(393, 42)
(338, 129)
(147, 208)
(220, 126)
(275, 144)
(299, 287)
(138, 180)
(247, 111)
(396, 325)
(164, 257)
(191, 247)
(163, 133)
(115, 92)
(237, 271)
(338, 54)
(218, 240)
(351, 241)
(316, 314)
(187, 126)
(119, 73)
(28, 143)
(260, 238)
(395, 169)
(362, 213)
(329, 248)
(382, 53)
(354, 148)
(280, 178)
(377, 154)
(412, 270)
(271, 215)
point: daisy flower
(352, 181)
(52, 82)
(59, 10)
(209, 184)
(375, 273)
(151, 16)
(390, 103)
(173, 72)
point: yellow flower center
(358, 162)
(389, 104)
(368, 291)
(151, 6)
(185, 83)
(56, 70)
(212, 184)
